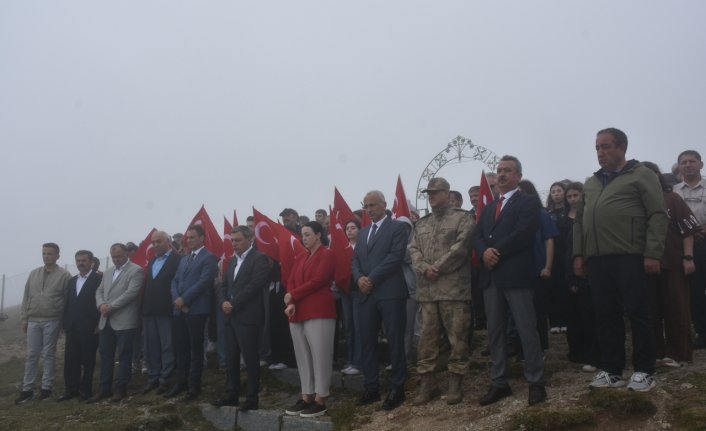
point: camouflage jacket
(443, 239)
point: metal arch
(457, 150)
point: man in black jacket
(240, 298)
(157, 313)
(81, 328)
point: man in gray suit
(117, 299)
(380, 295)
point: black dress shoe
(369, 397)
(191, 395)
(225, 401)
(162, 389)
(67, 396)
(394, 399)
(537, 394)
(175, 390)
(247, 406)
(149, 386)
(495, 394)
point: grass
(621, 404)
(688, 412)
(546, 418)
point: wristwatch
(688, 257)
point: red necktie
(499, 206)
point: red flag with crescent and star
(228, 251)
(343, 251)
(213, 241)
(400, 207)
(266, 235)
(485, 196)
(144, 251)
(340, 207)
(289, 248)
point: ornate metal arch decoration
(458, 150)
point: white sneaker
(588, 368)
(641, 382)
(554, 330)
(278, 366)
(605, 380)
(388, 368)
(351, 371)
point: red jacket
(310, 285)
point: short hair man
(290, 220)
(191, 295)
(81, 328)
(250, 223)
(504, 240)
(240, 298)
(473, 194)
(118, 300)
(619, 234)
(443, 289)
(41, 312)
(157, 313)
(692, 189)
(380, 292)
(455, 199)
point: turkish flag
(400, 207)
(213, 241)
(289, 248)
(228, 251)
(235, 219)
(343, 251)
(266, 235)
(485, 195)
(144, 251)
(341, 208)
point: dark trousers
(581, 331)
(188, 346)
(619, 286)
(80, 356)
(282, 349)
(111, 341)
(541, 304)
(670, 303)
(242, 339)
(392, 313)
(697, 285)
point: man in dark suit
(118, 300)
(81, 328)
(240, 300)
(157, 313)
(191, 296)
(504, 239)
(380, 296)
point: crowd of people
(626, 244)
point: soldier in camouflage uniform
(440, 254)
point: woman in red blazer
(311, 309)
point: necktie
(499, 206)
(373, 229)
(192, 256)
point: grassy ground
(677, 403)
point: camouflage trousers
(453, 318)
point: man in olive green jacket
(440, 254)
(619, 234)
